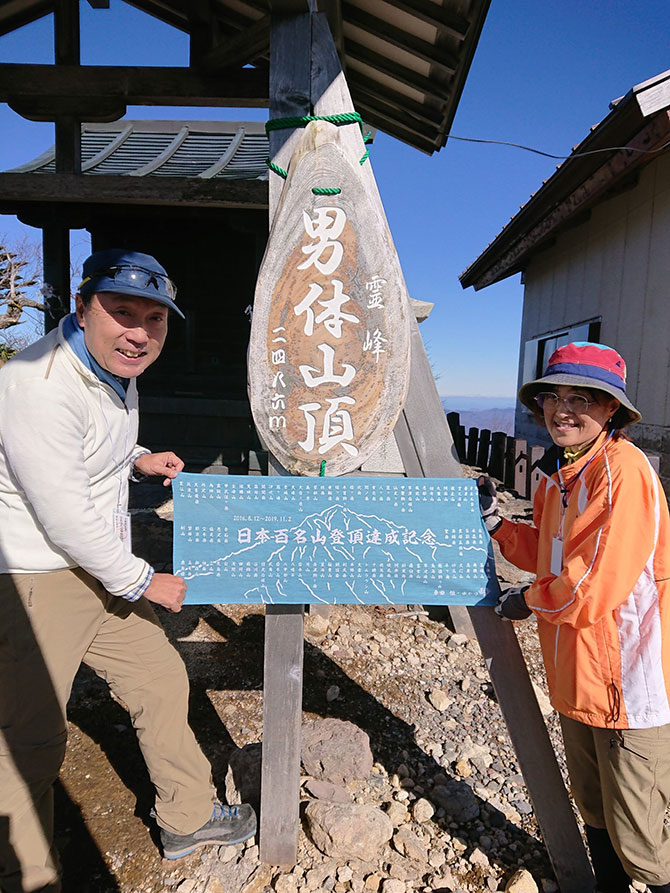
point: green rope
(278, 170)
(322, 470)
(303, 121)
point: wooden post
(282, 722)
(56, 267)
(521, 467)
(457, 434)
(483, 449)
(534, 750)
(497, 460)
(290, 70)
(66, 49)
(473, 443)
(508, 476)
(536, 453)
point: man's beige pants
(620, 779)
(49, 624)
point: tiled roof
(202, 149)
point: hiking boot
(228, 825)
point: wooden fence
(509, 459)
(506, 458)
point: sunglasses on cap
(137, 277)
(575, 403)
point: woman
(599, 549)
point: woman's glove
(488, 503)
(512, 604)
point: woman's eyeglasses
(575, 403)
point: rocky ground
(410, 781)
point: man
(71, 591)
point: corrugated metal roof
(203, 149)
(532, 226)
(406, 60)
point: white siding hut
(593, 244)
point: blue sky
(544, 72)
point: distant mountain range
(494, 413)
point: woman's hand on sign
(488, 503)
(156, 464)
(168, 591)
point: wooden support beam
(521, 468)
(43, 92)
(56, 267)
(332, 9)
(240, 49)
(66, 50)
(68, 145)
(282, 724)
(66, 32)
(21, 189)
(401, 105)
(392, 125)
(441, 17)
(376, 108)
(99, 4)
(18, 13)
(290, 55)
(203, 30)
(397, 37)
(397, 72)
(533, 748)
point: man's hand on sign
(156, 464)
(168, 591)
(488, 503)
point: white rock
(392, 885)
(423, 810)
(286, 883)
(477, 857)
(439, 699)
(521, 882)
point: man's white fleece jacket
(67, 446)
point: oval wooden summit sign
(330, 335)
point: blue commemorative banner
(302, 540)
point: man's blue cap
(128, 273)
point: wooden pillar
(282, 723)
(521, 467)
(290, 55)
(483, 449)
(56, 267)
(66, 46)
(203, 30)
(536, 453)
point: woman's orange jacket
(604, 614)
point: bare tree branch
(13, 285)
